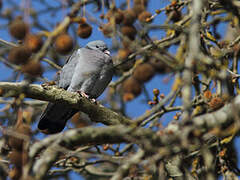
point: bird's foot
(83, 94)
(49, 83)
(94, 101)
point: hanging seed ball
(129, 31)
(159, 66)
(63, 43)
(33, 42)
(107, 29)
(123, 53)
(19, 55)
(129, 17)
(32, 68)
(138, 8)
(84, 30)
(144, 16)
(115, 13)
(144, 72)
(131, 85)
(18, 28)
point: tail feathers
(54, 118)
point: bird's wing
(67, 71)
(88, 70)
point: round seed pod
(159, 66)
(129, 17)
(115, 13)
(107, 29)
(144, 16)
(131, 85)
(129, 31)
(144, 72)
(138, 8)
(18, 28)
(19, 55)
(63, 43)
(32, 68)
(123, 53)
(33, 42)
(84, 30)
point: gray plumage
(88, 70)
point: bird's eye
(97, 46)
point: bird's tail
(54, 118)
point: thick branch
(97, 113)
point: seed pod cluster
(18, 156)
(141, 74)
(123, 20)
(132, 87)
(30, 43)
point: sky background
(134, 108)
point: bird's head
(99, 46)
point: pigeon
(88, 70)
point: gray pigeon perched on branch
(88, 71)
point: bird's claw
(94, 101)
(83, 94)
(50, 83)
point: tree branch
(97, 113)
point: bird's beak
(107, 52)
